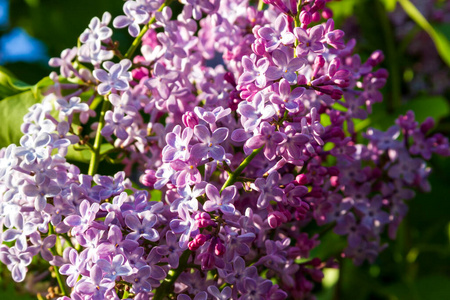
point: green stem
(166, 287)
(61, 284)
(234, 176)
(95, 158)
(260, 5)
(138, 39)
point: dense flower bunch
(243, 119)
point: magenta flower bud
(316, 17)
(200, 239)
(149, 178)
(336, 94)
(205, 223)
(220, 249)
(334, 181)
(229, 77)
(150, 39)
(301, 179)
(319, 62)
(327, 13)
(427, 125)
(305, 17)
(190, 119)
(192, 245)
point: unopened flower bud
(190, 119)
(220, 249)
(327, 13)
(305, 17)
(316, 17)
(149, 178)
(301, 179)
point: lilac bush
(242, 161)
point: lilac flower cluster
(245, 154)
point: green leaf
(10, 85)
(12, 110)
(78, 155)
(441, 42)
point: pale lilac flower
(224, 295)
(159, 83)
(177, 144)
(65, 62)
(74, 105)
(172, 249)
(76, 266)
(186, 225)
(278, 35)
(289, 99)
(95, 34)
(135, 14)
(16, 262)
(309, 40)
(222, 201)
(117, 123)
(115, 268)
(267, 137)
(156, 272)
(116, 79)
(269, 190)
(254, 112)
(20, 233)
(254, 72)
(95, 285)
(41, 192)
(188, 197)
(140, 280)
(80, 223)
(34, 148)
(209, 143)
(144, 229)
(285, 67)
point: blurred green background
(416, 265)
